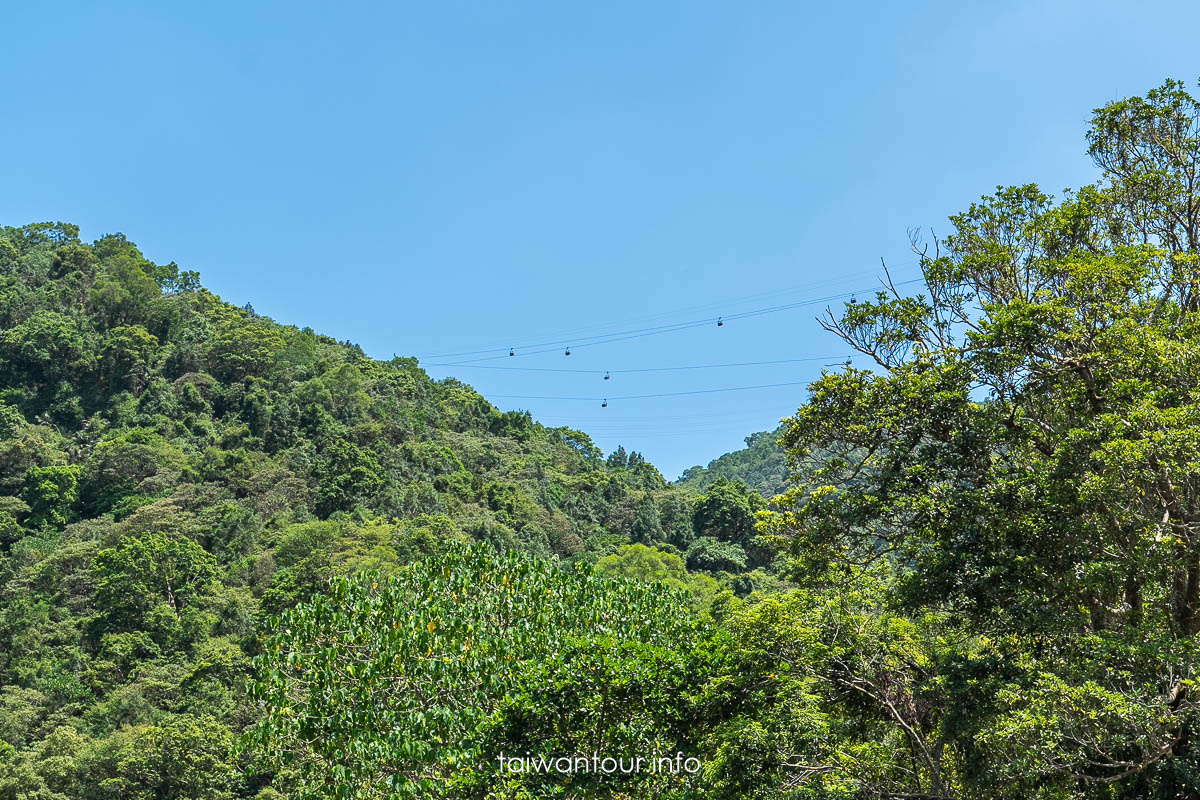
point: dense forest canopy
(175, 470)
(762, 465)
(241, 559)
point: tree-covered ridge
(174, 470)
(124, 380)
(762, 465)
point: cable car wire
(657, 394)
(636, 333)
(724, 303)
(643, 369)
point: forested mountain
(174, 469)
(761, 464)
(240, 559)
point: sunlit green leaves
(408, 682)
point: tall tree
(1025, 452)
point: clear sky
(436, 178)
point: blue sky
(440, 178)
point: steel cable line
(627, 430)
(556, 347)
(656, 394)
(579, 342)
(637, 333)
(642, 369)
(586, 341)
(724, 303)
(655, 420)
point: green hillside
(174, 470)
(762, 465)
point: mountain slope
(761, 465)
(174, 469)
